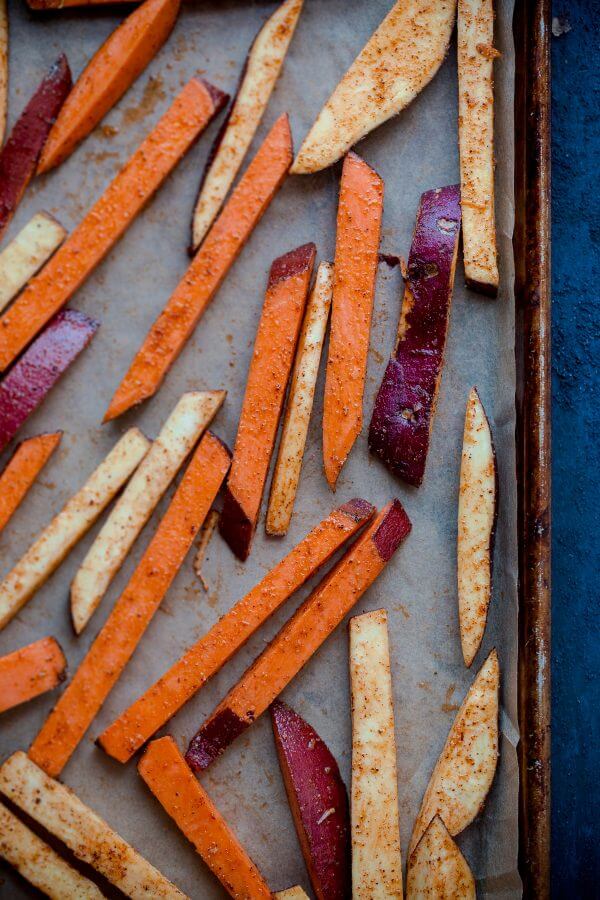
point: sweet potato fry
(27, 253)
(259, 74)
(182, 797)
(376, 859)
(475, 47)
(30, 671)
(286, 474)
(133, 611)
(61, 813)
(242, 212)
(18, 476)
(356, 256)
(211, 652)
(189, 114)
(437, 870)
(270, 368)
(59, 537)
(39, 864)
(301, 636)
(191, 416)
(109, 73)
(34, 375)
(405, 404)
(3, 68)
(465, 769)
(20, 154)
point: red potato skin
(405, 404)
(20, 154)
(314, 786)
(40, 367)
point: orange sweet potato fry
(124, 628)
(23, 468)
(183, 798)
(30, 671)
(179, 683)
(110, 72)
(270, 367)
(356, 254)
(301, 636)
(108, 219)
(221, 247)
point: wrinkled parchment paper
(414, 152)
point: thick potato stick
(69, 526)
(21, 471)
(30, 671)
(27, 253)
(286, 475)
(116, 642)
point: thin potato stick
(21, 471)
(57, 808)
(116, 642)
(286, 475)
(211, 652)
(30, 671)
(191, 416)
(206, 533)
(189, 114)
(27, 253)
(59, 537)
(183, 798)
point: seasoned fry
(299, 404)
(437, 870)
(206, 533)
(57, 809)
(21, 471)
(293, 893)
(60, 536)
(27, 252)
(191, 416)
(30, 671)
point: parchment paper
(414, 152)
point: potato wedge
(27, 252)
(437, 870)
(69, 526)
(477, 509)
(396, 63)
(3, 68)
(191, 416)
(39, 864)
(259, 74)
(56, 808)
(475, 45)
(465, 769)
(376, 856)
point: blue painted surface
(576, 440)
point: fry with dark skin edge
(183, 798)
(318, 801)
(34, 375)
(270, 368)
(160, 702)
(301, 636)
(21, 471)
(30, 671)
(360, 210)
(110, 72)
(405, 404)
(189, 114)
(20, 154)
(220, 249)
(131, 615)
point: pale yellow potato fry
(180, 433)
(59, 537)
(476, 521)
(376, 855)
(263, 65)
(206, 532)
(3, 68)
(293, 893)
(475, 45)
(400, 58)
(437, 870)
(286, 473)
(56, 808)
(465, 769)
(35, 861)
(27, 252)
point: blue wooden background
(576, 440)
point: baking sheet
(414, 152)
